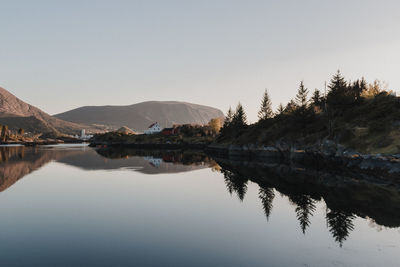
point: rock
(282, 146)
(340, 150)
(351, 154)
(328, 148)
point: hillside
(17, 114)
(139, 116)
(353, 116)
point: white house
(83, 135)
(155, 162)
(154, 128)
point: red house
(169, 131)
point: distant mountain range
(139, 116)
(17, 114)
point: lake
(71, 205)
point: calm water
(75, 206)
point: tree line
(341, 96)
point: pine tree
(338, 91)
(228, 118)
(239, 118)
(316, 98)
(280, 109)
(301, 97)
(337, 83)
(357, 88)
(266, 109)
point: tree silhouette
(301, 96)
(267, 196)
(228, 117)
(337, 84)
(266, 107)
(357, 88)
(280, 109)
(227, 122)
(317, 98)
(235, 183)
(340, 224)
(239, 119)
(338, 96)
(305, 206)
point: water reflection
(19, 161)
(346, 197)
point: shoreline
(385, 167)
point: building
(83, 135)
(154, 128)
(155, 162)
(169, 131)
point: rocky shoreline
(386, 167)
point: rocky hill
(139, 116)
(17, 114)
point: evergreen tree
(338, 94)
(357, 88)
(228, 118)
(317, 98)
(266, 109)
(301, 96)
(280, 109)
(239, 119)
(337, 83)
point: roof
(153, 124)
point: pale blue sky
(60, 55)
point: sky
(60, 55)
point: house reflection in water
(155, 162)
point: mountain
(17, 114)
(139, 116)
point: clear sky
(60, 55)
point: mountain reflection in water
(346, 197)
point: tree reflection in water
(267, 196)
(305, 206)
(340, 224)
(304, 189)
(235, 183)
(345, 196)
(236, 179)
